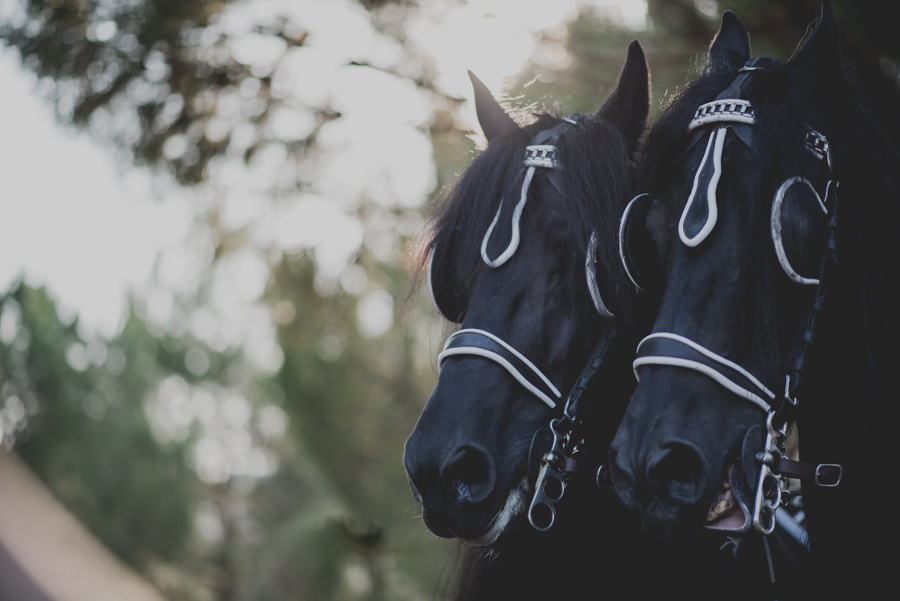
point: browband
(480, 343)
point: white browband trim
(506, 364)
(541, 155)
(776, 227)
(622, 223)
(739, 390)
(517, 215)
(590, 271)
(716, 144)
(731, 110)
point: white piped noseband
(471, 341)
(664, 348)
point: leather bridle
(565, 458)
(732, 112)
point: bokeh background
(210, 350)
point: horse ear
(730, 49)
(629, 103)
(818, 55)
(491, 116)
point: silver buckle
(829, 475)
(769, 487)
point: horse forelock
(595, 184)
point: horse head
(523, 258)
(730, 238)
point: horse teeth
(718, 510)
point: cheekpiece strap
(480, 343)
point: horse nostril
(677, 473)
(470, 470)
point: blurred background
(210, 350)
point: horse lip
(415, 491)
(728, 511)
(515, 504)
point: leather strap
(663, 348)
(825, 474)
(480, 343)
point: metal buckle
(769, 486)
(552, 479)
(548, 491)
(829, 475)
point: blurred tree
(74, 411)
(573, 64)
(188, 89)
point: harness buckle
(769, 486)
(548, 491)
(829, 475)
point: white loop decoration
(514, 238)
(622, 250)
(590, 271)
(776, 227)
(715, 145)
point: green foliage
(84, 431)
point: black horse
(514, 275)
(526, 260)
(772, 311)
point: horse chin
(729, 510)
(515, 505)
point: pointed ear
(629, 103)
(817, 59)
(730, 49)
(491, 116)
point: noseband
(730, 112)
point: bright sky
(67, 218)
(70, 219)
